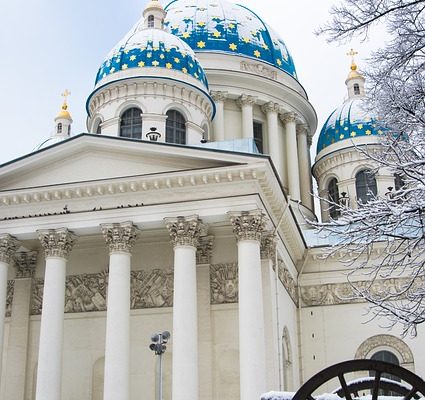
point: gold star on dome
(279, 62)
(169, 65)
(186, 35)
(176, 60)
(353, 134)
(341, 136)
(126, 51)
(184, 70)
(132, 58)
(216, 34)
(161, 56)
(201, 24)
(245, 39)
(200, 44)
(112, 70)
(124, 67)
(346, 128)
(265, 47)
(233, 46)
(360, 126)
(368, 132)
(341, 123)
(155, 48)
(155, 63)
(380, 132)
(257, 53)
(232, 26)
(149, 55)
(141, 64)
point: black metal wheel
(413, 387)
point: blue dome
(221, 26)
(346, 123)
(142, 49)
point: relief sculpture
(224, 283)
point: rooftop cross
(65, 96)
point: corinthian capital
(8, 246)
(270, 107)
(302, 129)
(120, 237)
(218, 96)
(246, 100)
(25, 264)
(185, 231)
(289, 117)
(248, 225)
(268, 246)
(57, 242)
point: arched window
(69, 130)
(59, 129)
(151, 21)
(99, 129)
(356, 88)
(398, 182)
(387, 356)
(175, 128)
(365, 186)
(131, 123)
(333, 195)
(258, 136)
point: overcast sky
(47, 46)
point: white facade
(105, 240)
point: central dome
(222, 26)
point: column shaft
(248, 228)
(218, 121)
(246, 103)
(120, 238)
(185, 325)
(49, 372)
(292, 156)
(117, 346)
(304, 167)
(57, 245)
(271, 111)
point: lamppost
(158, 345)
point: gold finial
(65, 96)
(352, 54)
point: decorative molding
(224, 283)
(87, 292)
(57, 242)
(248, 225)
(218, 96)
(302, 129)
(287, 281)
(259, 69)
(9, 297)
(185, 231)
(375, 342)
(270, 107)
(25, 263)
(204, 250)
(268, 246)
(8, 247)
(246, 100)
(120, 237)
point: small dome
(346, 123)
(222, 26)
(64, 113)
(142, 49)
(154, 4)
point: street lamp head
(166, 335)
(155, 338)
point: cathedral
(183, 209)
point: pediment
(91, 158)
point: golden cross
(352, 53)
(65, 95)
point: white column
(248, 227)
(185, 233)
(271, 110)
(246, 103)
(120, 239)
(8, 246)
(304, 166)
(289, 119)
(57, 245)
(17, 354)
(218, 121)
